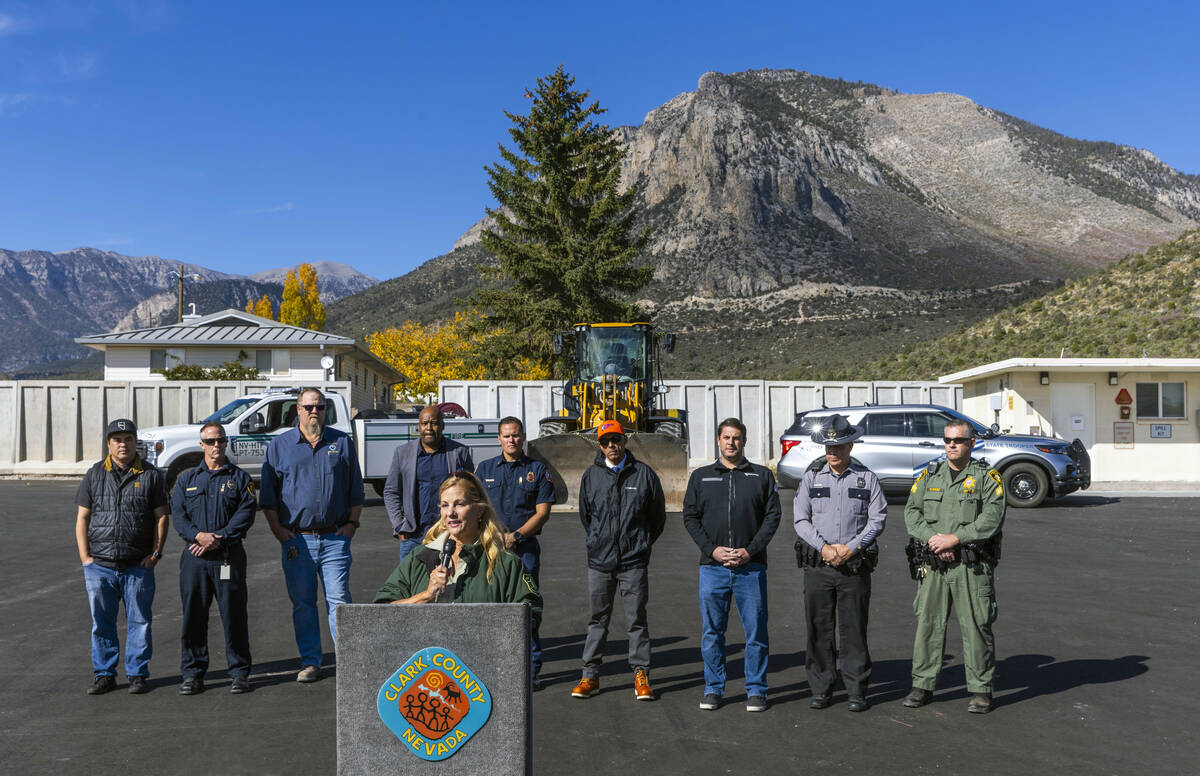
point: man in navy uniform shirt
(522, 493)
(312, 496)
(213, 507)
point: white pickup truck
(251, 421)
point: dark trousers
(835, 608)
(633, 586)
(199, 582)
(530, 553)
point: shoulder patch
(995, 475)
(920, 477)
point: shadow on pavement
(1038, 675)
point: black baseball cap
(120, 426)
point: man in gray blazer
(418, 469)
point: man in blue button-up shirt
(212, 508)
(312, 496)
(522, 493)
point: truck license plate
(250, 448)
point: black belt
(315, 531)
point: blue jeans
(305, 558)
(410, 545)
(106, 589)
(747, 585)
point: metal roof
(228, 327)
(1075, 365)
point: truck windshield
(612, 351)
(230, 411)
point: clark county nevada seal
(434, 703)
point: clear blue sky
(250, 135)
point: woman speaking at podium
(462, 558)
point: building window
(158, 358)
(281, 360)
(1160, 400)
(262, 360)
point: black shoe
(102, 684)
(981, 703)
(240, 685)
(917, 698)
(193, 685)
(857, 703)
(138, 685)
(820, 702)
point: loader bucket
(568, 455)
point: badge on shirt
(332, 450)
(862, 482)
(529, 476)
(969, 485)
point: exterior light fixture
(1112, 378)
(1044, 378)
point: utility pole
(194, 277)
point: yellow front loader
(617, 376)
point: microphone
(447, 558)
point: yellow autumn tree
(426, 354)
(261, 307)
(301, 304)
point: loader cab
(619, 349)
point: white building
(282, 353)
(1138, 417)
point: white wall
(57, 426)
(766, 407)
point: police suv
(900, 440)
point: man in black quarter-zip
(731, 510)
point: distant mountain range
(804, 223)
(47, 299)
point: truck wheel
(671, 428)
(1025, 485)
(178, 466)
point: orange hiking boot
(641, 685)
(586, 688)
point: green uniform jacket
(972, 508)
(511, 583)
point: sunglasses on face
(612, 441)
(215, 441)
(956, 440)
(313, 407)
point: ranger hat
(835, 430)
(609, 427)
(120, 426)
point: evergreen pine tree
(562, 232)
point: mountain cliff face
(335, 279)
(773, 190)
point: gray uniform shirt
(849, 509)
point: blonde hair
(489, 523)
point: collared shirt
(219, 501)
(516, 487)
(311, 487)
(432, 471)
(616, 467)
(848, 509)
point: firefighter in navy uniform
(839, 511)
(212, 508)
(954, 515)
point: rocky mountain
(47, 299)
(790, 210)
(335, 279)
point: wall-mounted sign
(434, 703)
(1123, 397)
(1160, 430)
(1077, 423)
(1123, 435)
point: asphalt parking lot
(1097, 642)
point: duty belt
(808, 556)
(922, 560)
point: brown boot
(917, 698)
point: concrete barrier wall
(57, 426)
(766, 407)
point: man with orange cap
(623, 511)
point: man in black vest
(120, 530)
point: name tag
(193, 488)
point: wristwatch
(517, 536)
(156, 555)
(354, 523)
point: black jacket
(726, 507)
(623, 514)
(121, 527)
(220, 502)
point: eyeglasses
(611, 441)
(313, 407)
(956, 440)
(215, 441)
